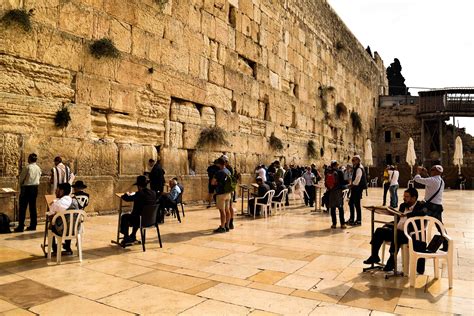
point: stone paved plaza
(291, 263)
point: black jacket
(140, 199)
(157, 178)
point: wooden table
(382, 210)
(12, 194)
(49, 200)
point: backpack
(230, 183)
(331, 179)
(4, 224)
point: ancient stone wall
(252, 67)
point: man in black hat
(157, 177)
(140, 199)
(79, 194)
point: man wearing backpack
(357, 186)
(334, 182)
(222, 197)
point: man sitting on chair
(410, 208)
(79, 194)
(170, 199)
(63, 202)
(279, 188)
(263, 188)
(140, 199)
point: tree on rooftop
(396, 81)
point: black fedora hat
(141, 181)
(79, 185)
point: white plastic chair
(72, 230)
(280, 205)
(423, 228)
(462, 185)
(411, 184)
(300, 183)
(405, 256)
(265, 207)
(373, 182)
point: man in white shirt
(60, 174)
(261, 172)
(393, 175)
(63, 202)
(29, 181)
(434, 187)
(310, 179)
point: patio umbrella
(458, 154)
(368, 160)
(411, 155)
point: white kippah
(439, 168)
(357, 156)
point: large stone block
(175, 134)
(132, 161)
(185, 112)
(20, 76)
(191, 134)
(98, 157)
(76, 19)
(208, 116)
(218, 97)
(122, 98)
(121, 34)
(153, 104)
(46, 11)
(93, 91)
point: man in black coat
(410, 208)
(157, 178)
(263, 188)
(143, 197)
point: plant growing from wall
(311, 149)
(341, 110)
(62, 117)
(161, 4)
(340, 45)
(356, 121)
(19, 17)
(212, 136)
(104, 47)
(275, 142)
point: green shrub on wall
(62, 117)
(311, 149)
(19, 17)
(212, 136)
(275, 142)
(356, 121)
(104, 47)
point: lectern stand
(383, 210)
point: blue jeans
(393, 196)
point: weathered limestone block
(216, 73)
(80, 124)
(175, 134)
(92, 90)
(122, 98)
(122, 127)
(174, 56)
(20, 76)
(208, 116)
(150, 131)
(258, 127)
(140, 43)
(153, 103)
(218, 97)
(121, 34)
(227, 120)
(245, 124)
(175, 161)
(98, 124)
(185, 112)
(132, 161)
(102, 191)
(191, 134)
(10, 43)
(76, 19)
(10, 156)
(125, 11)
(132, 72)
(98, 157)
(46, 11)
(47, 148)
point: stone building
(255, 68)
